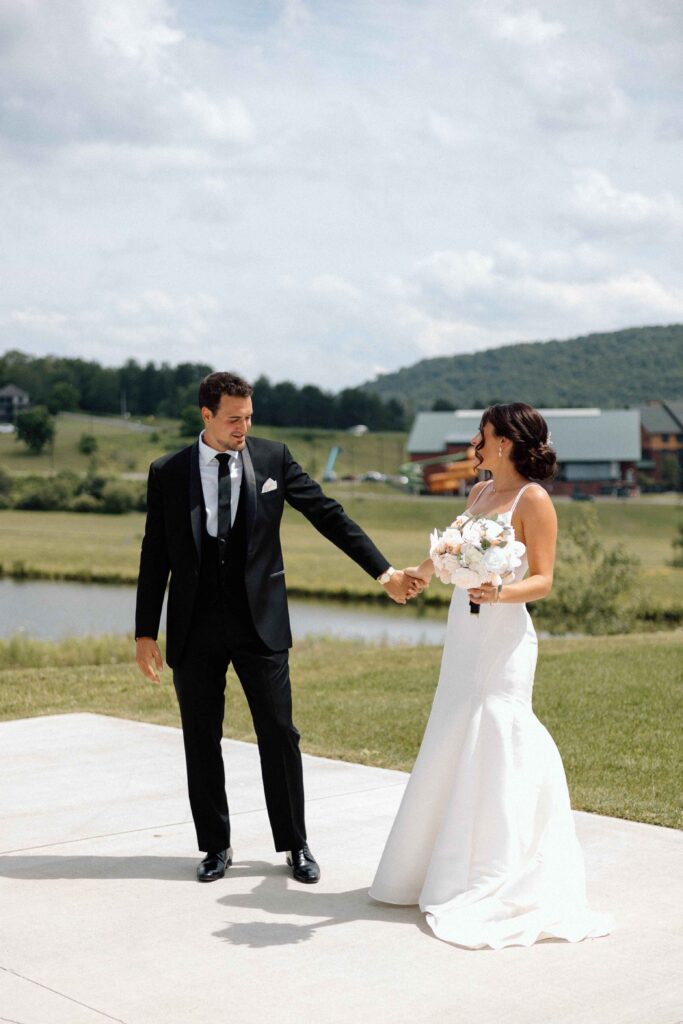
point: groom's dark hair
(213, 387)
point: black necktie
(224, 489)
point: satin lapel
(249, 484)
(196, 499)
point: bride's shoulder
(535, 500)
(476, 491)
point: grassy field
(106, 548)
(612, 704)
(69, 545)
(129, 446)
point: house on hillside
(661, 425)
(597, 449)
(12, 401)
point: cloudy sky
(321, 190)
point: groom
(213, 524)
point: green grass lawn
(69, 545)
(123, 447)
(613, 705)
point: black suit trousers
(200, 680)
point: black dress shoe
(214, 864)
(304, 865)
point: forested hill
(622, 368)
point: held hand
(148, 656)
(397, 588)
(421, 574)
(485, 593)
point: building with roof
(661, 425)
(12, 401)
(597, 449)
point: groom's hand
(148, 656)
(418, 579)
(396, 587)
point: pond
(51, 610)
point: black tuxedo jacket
(173, 539)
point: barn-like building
(597, 449)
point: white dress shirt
(208, 471)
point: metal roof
(12, 391)
(578, 435)
(676, 410)
(657, 420)
(429, 431)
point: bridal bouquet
(475, 550)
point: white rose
(492, 530)
(472, 556)
(470, 530)
(465, 578)
(496, 560)
(450, 563)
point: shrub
(116, 498)
(594, 585)
(36, 428)
(191, 421)
(87, 444)
(5, 483)
(139, 496)
(677, 545)
(85, 503)
(47, 495)
(93, 483)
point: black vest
(222, 570)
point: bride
(484, 838)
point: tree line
(64, 384)
(609, 370)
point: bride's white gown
(484, 839)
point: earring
(500, 452)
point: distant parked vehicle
(372, 476)
(582, 496)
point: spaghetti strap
(468, 510)
(520, 492)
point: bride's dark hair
(525, 427)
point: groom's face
(227, 428)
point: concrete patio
(102, 919)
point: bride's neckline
(487, 515)
(505, 512)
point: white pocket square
(269, 485)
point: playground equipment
(425, 478)
(329, 475)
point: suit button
(222, 561)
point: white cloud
(184, 179)
(568, 81)
(512, 291)
(602, 206)
(333, 286)
(528, 27)
(102, 72)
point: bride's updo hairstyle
(525, 427)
